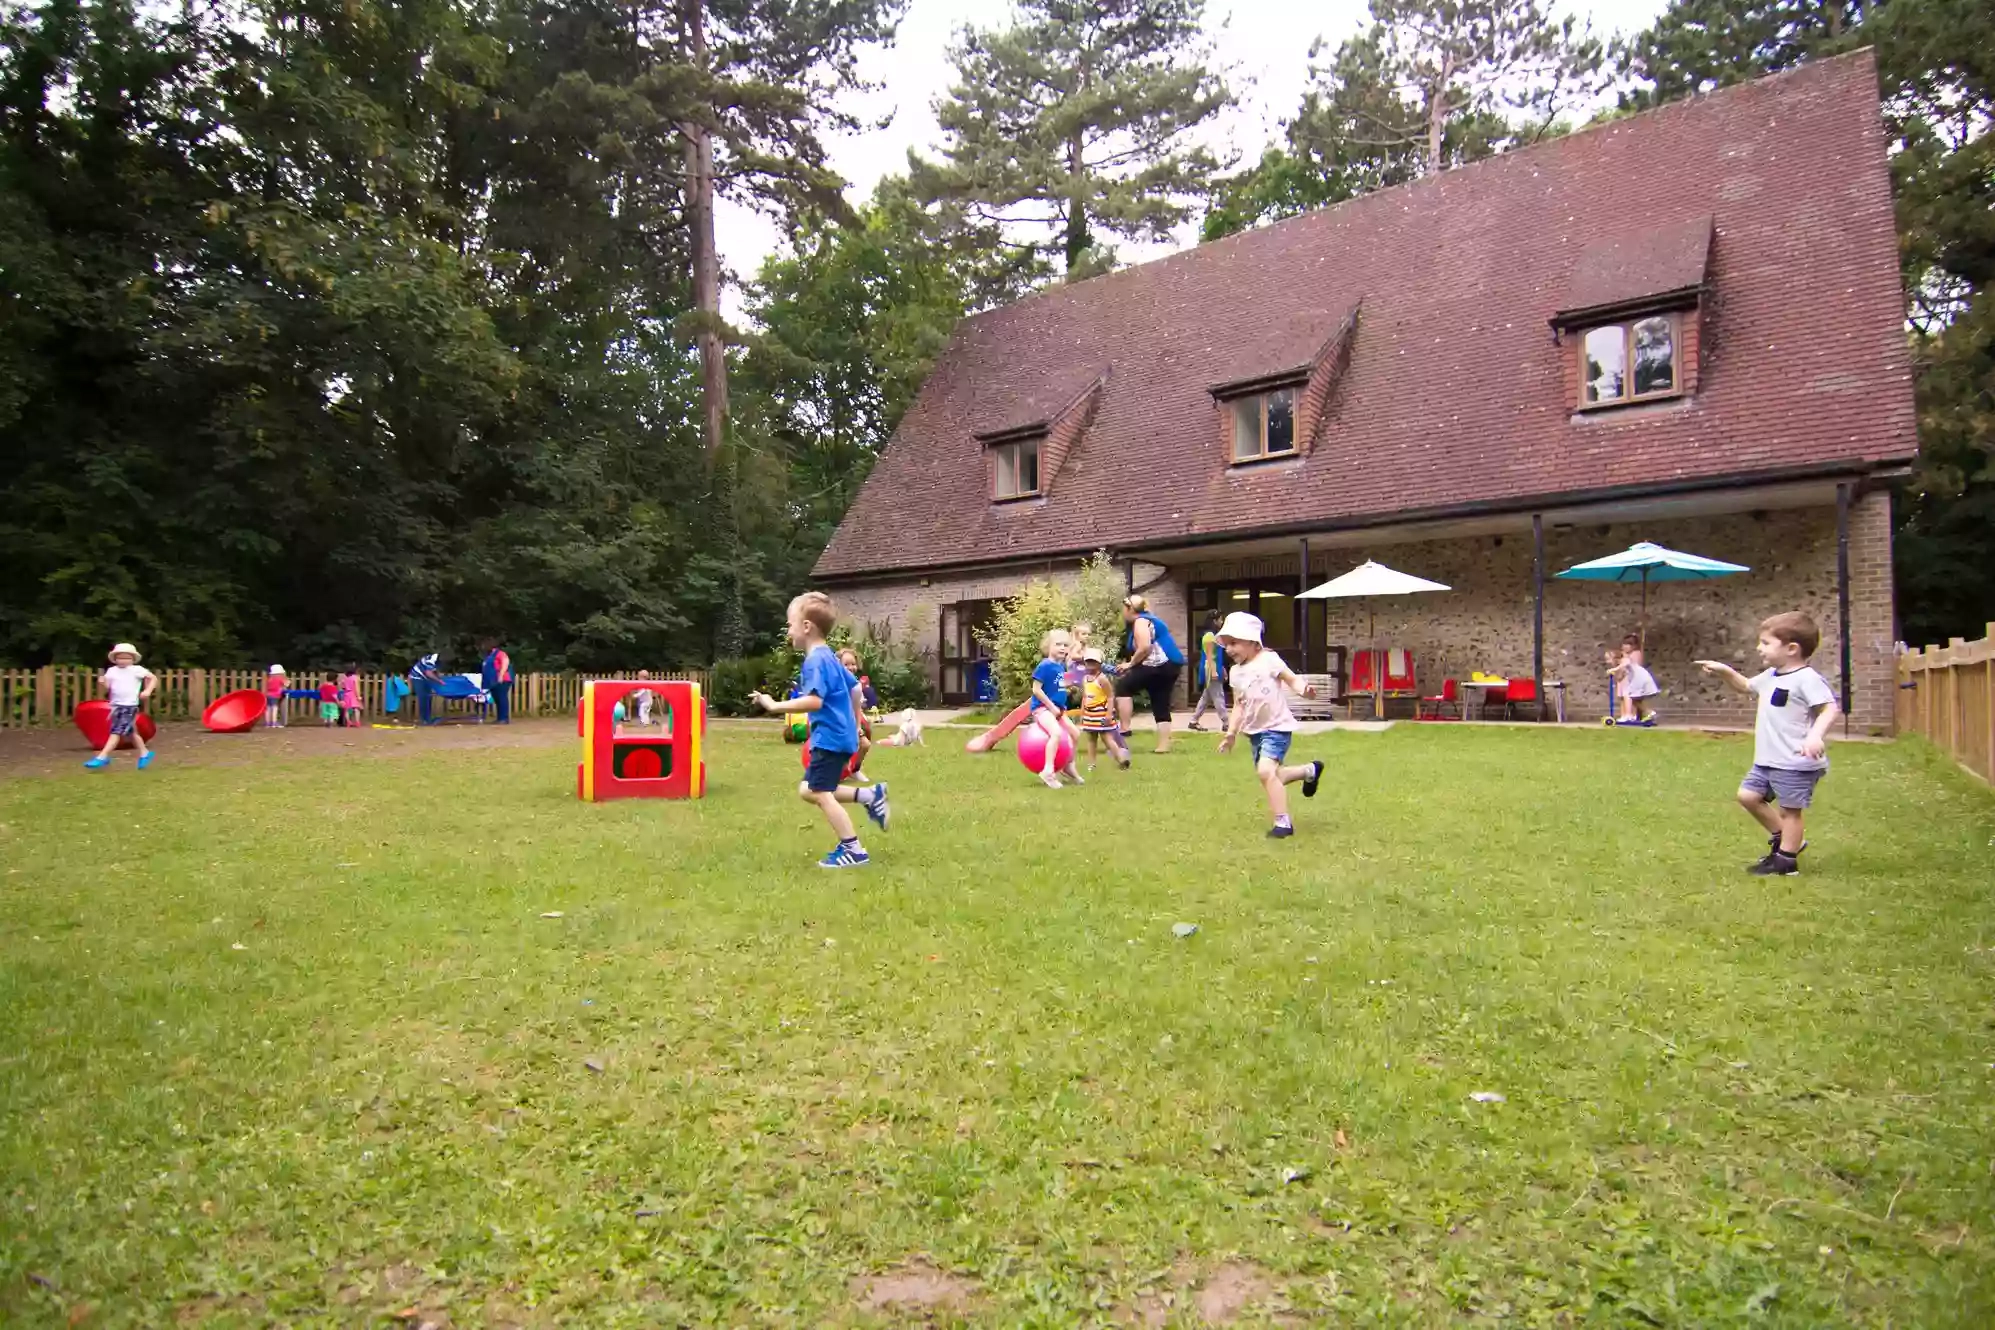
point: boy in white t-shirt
(1797, 708)
(129, 684)
(1260, 711)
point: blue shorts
(1269, 744)
(825, 770)
(1790, 788)
(123, 719)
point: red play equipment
(234, 713)
(641, 766)
(94, 719)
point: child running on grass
(1797, 708)
(1261, 712)
(1098, 720)
(829, 694)
(1049, 707)
(128, 684)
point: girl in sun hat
(1261, 712)
(273, 698)
(129, 684)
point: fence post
(1988, 681)
(44, 695)
(197, 692)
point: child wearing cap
(1098, 719)
(274, 684)
(1261, 712)
(129, 684)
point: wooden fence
(49, 696)
(1948, 695)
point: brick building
(1684, 326)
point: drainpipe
(1843, 595)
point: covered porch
(1822, 546)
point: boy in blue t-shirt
(829, 694)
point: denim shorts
(1789, 787)
(825, 770)
(1269, 744)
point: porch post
(1538, 606)
(1301, 608)
(1843, 596)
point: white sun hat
(1090, 654)
(277, 669)
(123, 649)
(1241, 627)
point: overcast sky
(1263, 44)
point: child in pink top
(1260, 711)
(349, 696)
(273, 698)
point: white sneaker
(1072, 774)
(1052, 781)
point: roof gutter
(1863, 471)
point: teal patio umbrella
(1647, 562)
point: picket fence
(1947, 694)
(49, 696)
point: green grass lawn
(294, 1044)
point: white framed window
(1629, 362)
(1264, 425)
(1017, 469)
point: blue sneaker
(840, 857)
(877, 810)
(146, 761)
(98, 763)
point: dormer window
(1015, 472)
(1628, 362)
(1264, 425)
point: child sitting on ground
(829, 694)
(1260, 711)
(128, 684)
(1098, 720)
(1634, 685)
(1049, 708)
(1797, 709)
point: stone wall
(1484, 621)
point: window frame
(1259, 400)
(1627, 324)
(1015, 449)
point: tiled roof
(1649, 262)
(1454, 392)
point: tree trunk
(706, 259)
(1437, 116)
(1077, 204)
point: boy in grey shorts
(1790, 736)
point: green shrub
(1020, 624)
(730, 682)
(899, 675)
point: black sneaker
(1279, 832)
(1776, 864)
(1773, 843)
(1309, 781)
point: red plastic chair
(1522, 693)
(1431, 707)
(1364, 671)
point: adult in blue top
(1154, 665)
(425, 676)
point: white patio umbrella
(1372, 579)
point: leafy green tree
(1076, 123)
(1427, 86)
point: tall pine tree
(1077, 122)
